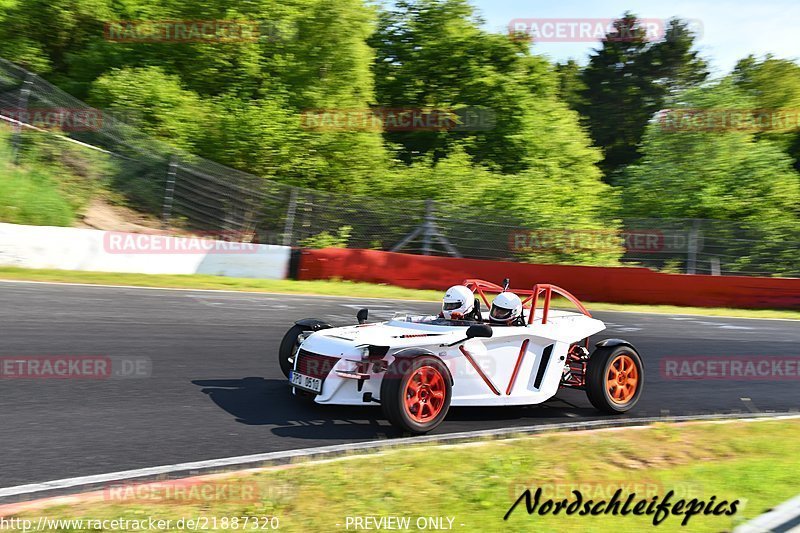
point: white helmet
(459, 301)
(505, 307)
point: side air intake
(537, 383)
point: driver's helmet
(458, 301)
(506, 307)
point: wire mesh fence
(190, 192)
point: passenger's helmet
(457, 302)
(505, 307)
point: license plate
(306, 382)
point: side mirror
(362, 316)
(479, 330)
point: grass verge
(338, 288)
(31, 197)
(199, 281)
(52, 182)
(476, 484)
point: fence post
(169, 192)
(24, 95)
(715, 266)
(429, 231)
(430, 228)
(694, 237)
(288, 228)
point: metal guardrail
(783, 518)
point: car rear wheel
(415, 394)
(289, 346)
(614, 378)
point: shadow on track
(269, 402)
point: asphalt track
(215, 389)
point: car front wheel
(415, 394)
(289, 346)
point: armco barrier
(599, 284)
(104, 251)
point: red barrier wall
(598, 284)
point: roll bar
(481, 287)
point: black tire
(625, 394)
(288, 348)
(395, 389)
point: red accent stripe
(547, 293)
(478, 369)
(516, 367)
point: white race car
(416, 367)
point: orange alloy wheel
(622, 379)
(425, 394)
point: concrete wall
(104, 251)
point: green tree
(161, 106)
(544, 197)
(242, 103)
(672, 65)
(725, 175)
(432, 53)
(629, 79)
(571, 86)
(774, 85)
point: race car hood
(349, 340)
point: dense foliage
(559, 146)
